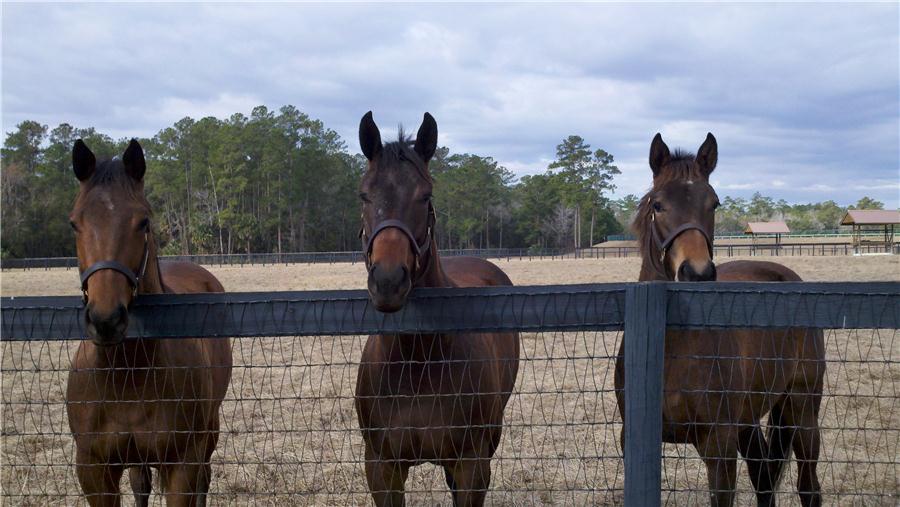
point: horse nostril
(684, 272)
(109, 321)
(687, 273)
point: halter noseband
(133, 278)
(421, 249)
(664, 245)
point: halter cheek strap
(421, 250)
(664, 245)
(134, 278)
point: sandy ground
(290, 433)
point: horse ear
(369, 137)
(426, 138)
(134, 162)
(659, 154)
(708, 155)
(83, 161)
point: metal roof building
(767, 228)
(757, 229)
(868, 219)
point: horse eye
(364, 197)
(426, 198)
(73, 226)
(716, 205)
(144, 225)
(657, 207)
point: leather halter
(420, 249)
(134, 278)
(663, 245)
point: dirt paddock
(290, 432)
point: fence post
(645, 329)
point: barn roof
(871, 217)
(767, 228)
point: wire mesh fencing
(289, 429)
(290, 432)
(857, 423)
(813, 367)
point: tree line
(734, 213)
(281, 181)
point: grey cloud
(803, 94)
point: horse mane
(681, 166)
(395, 153)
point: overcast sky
(804, 99)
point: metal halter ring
(133, 278)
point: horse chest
(419, 410)
(148, 412)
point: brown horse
(719, 384)
(420, 398)
(138, 403)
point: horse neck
(649, 272)
(151, 283)
(428, 346)
(434, 274)
(650, 266)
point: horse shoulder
(188, 278)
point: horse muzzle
(389, 287)
(106, 329)
(687, 272)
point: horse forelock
(111, 175)
(395, 153)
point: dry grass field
(522, 272)
(290, 432)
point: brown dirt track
(290, 428)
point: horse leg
(472, 477)
(99, 482)
(141, 484)
(386, 480)
(718, 448)
(753, 448)
(802, 414)
(184, 484)
(780, 438)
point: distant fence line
(829, 233)
(601, 252)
